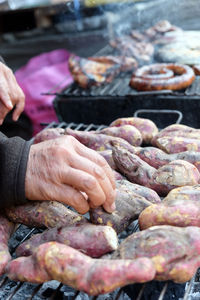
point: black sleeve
(13, 163)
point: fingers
(74, 198)
(85, 182)
(97, 159)
(10, 92)
(19, 107)
(5, 99)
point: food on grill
(181, 212)
(160, 29)
(127, 132)
(48, 134)
(87, 72)
(156, 77)
(55, 261)
(129, 204)
(174, 250)
(128, 46)
(90, 239)
(177, 138)
(157, 158)
(44, 214)
(147, 128)
(107, 154)
(125, 63)
(6, 229)
(196, 69)
(143, 191)
(98, 142)
(178, 130)
(118, 176)
(181, 47)
(176, 173)
(184, 192)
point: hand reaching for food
(65, 170)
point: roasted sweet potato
(44, 214)
(184, 192)
(98, 142)
(127, 132)
(48, 134)
(157, 158)
(162, 180)
(177, 138)
(55, 261)
(129, 205)
(177, 130)
(147, 128)
(180, 213)
(6, 229)
(174, 250)
(143, 191)
(107, 154)
(90, 239)
(178, 144)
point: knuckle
(99, 173)
(89, 183)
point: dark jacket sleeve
(13, 163)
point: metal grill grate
(54, 290)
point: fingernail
(10, 104)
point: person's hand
(10, 94)
(66, 171)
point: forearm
(13, 161)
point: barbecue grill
(102, 105)
(54, 290)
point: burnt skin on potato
(176, 173)
(175, 251)
(147, 128)
(90, 239)
(44, 214)
(129, 204)
(179, 213)
(55, 261)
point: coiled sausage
(162, 77)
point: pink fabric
(44, 73)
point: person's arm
(14, 154)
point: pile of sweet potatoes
(71, 249)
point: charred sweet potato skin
(143, 191)
(98, 142)
(90, 239)
(184, 192)
(6, 229)
(147, 128)
(157, 158)
(177, 138)
(180, 213)
(55, 261)
(107, 154)
(128, 207)
(48, 134)
(176, 173)
(43, 214)
(174, 250)
(127, 132)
